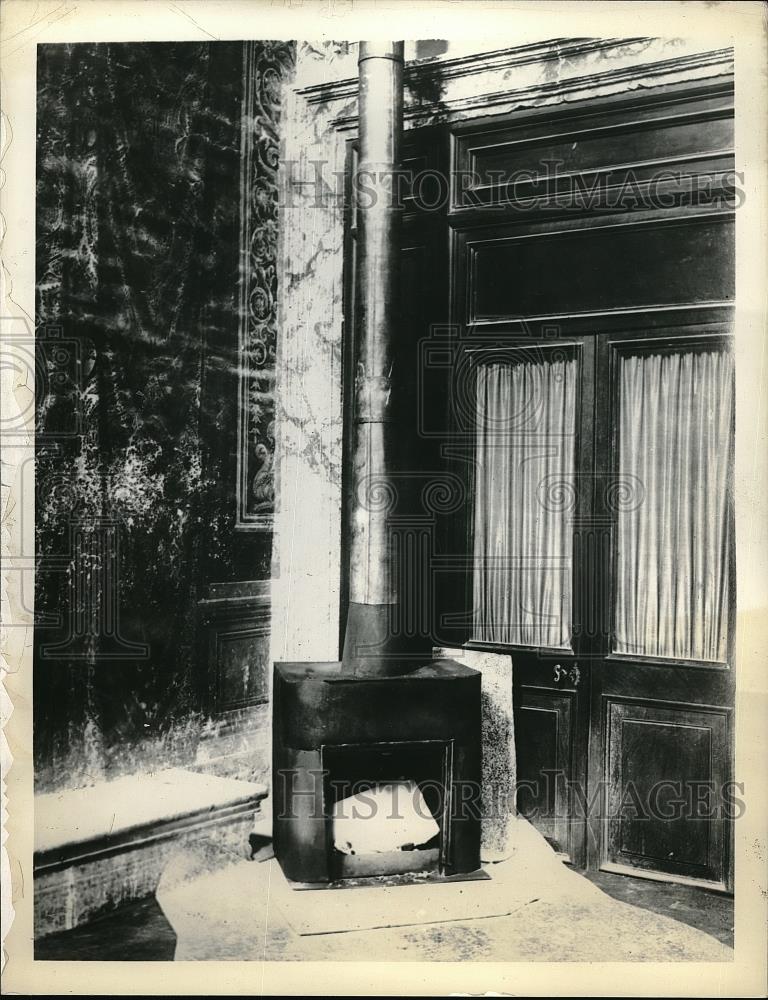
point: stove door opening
(387, 808)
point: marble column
(308, 426)
(499, 829)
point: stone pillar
(308, 477)
(500, 829)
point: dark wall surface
(138, 322)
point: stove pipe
(370, 646)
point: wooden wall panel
(600, 268)
(544, 737)
(601, 149)
(625, 144)
(665, 769)
(235, 624)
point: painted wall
(140, 315)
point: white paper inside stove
(387, 817)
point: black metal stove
(335, 734)
(377, 725)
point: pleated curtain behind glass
(672, 546)
(525, 450)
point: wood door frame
(459, 224)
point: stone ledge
(85, 821)
(100, 847)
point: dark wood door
(623, 758)
(660, 725)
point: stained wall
(152, 589)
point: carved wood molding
(429, 76)
(265, 66)
(478, 62)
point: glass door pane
(675, 411)
(524, 497)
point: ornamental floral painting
(265, 67)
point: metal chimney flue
(371, 646)
(389, 712)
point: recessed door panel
(666, 789)
(599, 268)
(544, 739)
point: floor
(135, 933)
(711, 912)
(141, 932)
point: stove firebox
(412, 742)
